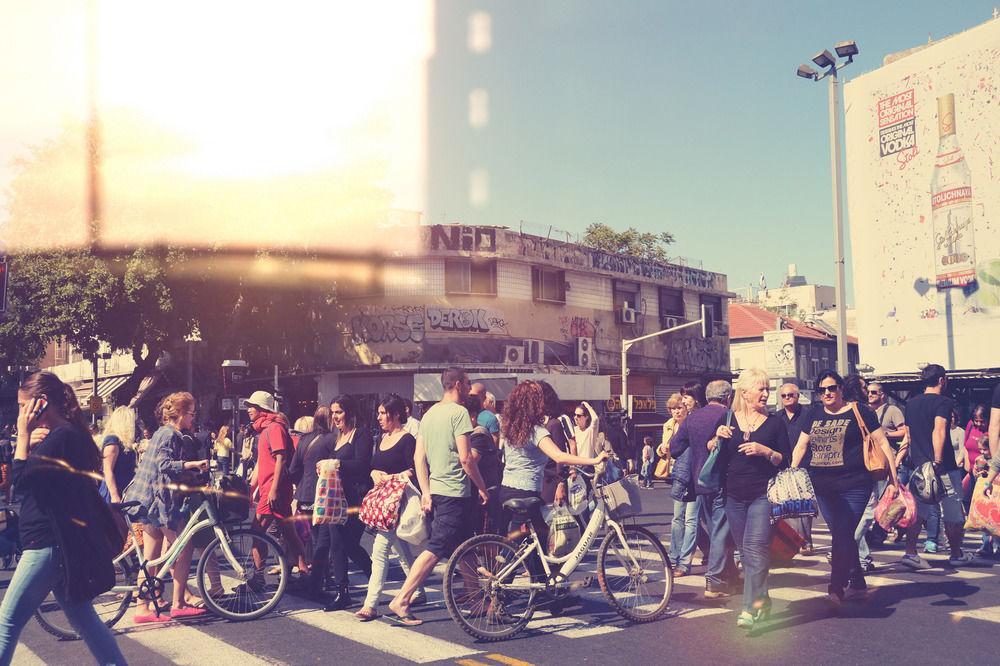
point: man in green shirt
(445, 467)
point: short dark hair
(553, 405)
(695, 389)
(932, 374)
(349, 405)
(394, 406)
(827, 374)
(450, 376)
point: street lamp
(827, 61)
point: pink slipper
(187, 611)
(150, 618)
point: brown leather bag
(875, 459)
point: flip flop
(408, 620)
(187, 611)
(149, 618)
(366, 614)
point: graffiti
(549, 250)
(466, 239)
(578, 327)
(696, 354)
(653, 270)
(465, 320)
(392, 324)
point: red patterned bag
(380, 507)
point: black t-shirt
(125, 463)
(490, 468)
(836, 448)
(398, 458)
(921, 413)
(313, 447)
(746, 476)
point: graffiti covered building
(508, 305)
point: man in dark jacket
(694, 433)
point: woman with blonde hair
(223, 450)
(754, 447)
(161, 516)
(684, 525)
(118, 452)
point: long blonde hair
(748, 380)
(121, 424)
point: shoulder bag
(875, 460)
(380, 507)
(710, 477)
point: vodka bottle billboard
(951, 205)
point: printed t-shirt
(441, 425)
(921, 413)
(836, 448)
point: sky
(684, 117)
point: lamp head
(824, 59)
(807, 72)
(847, 49)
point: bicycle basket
(233, 499)
(622, 498)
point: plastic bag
(896, 508)
(984, 512)
(330, 504)
(564, 532)
(576, 495)
(791, 495)
(412, 527)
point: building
(113, 369)
(509, 306)
(786, 348)
(796, 297)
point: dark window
(548, 284)
(626, 293)
(714, 305)
(671, 302)
(470, 276)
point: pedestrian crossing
(439, 640)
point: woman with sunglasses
(843, 485)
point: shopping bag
(564, 532)
(984, 512)
(791, 495)
(412, 527)
(896, 508)
(380, 506)
(785, 543)
(576, 495)
(330, 504)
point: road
(940, 615)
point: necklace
(751, 427)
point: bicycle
(490, 592)
(234, 589)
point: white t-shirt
(958, 443)
(412, 426)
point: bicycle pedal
(587, 581)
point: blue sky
(685, 117)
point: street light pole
(840, 288)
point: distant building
(796, 297)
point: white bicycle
(490, 592)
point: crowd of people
(466, 460)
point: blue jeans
(842, 512)
(683, 530)
(712, 509)
(864, 552)
(38, 573)
(750, 522)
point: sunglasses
(789, 395)
(874, 392)
(579, 416)
(833, 388)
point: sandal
(408, 620)
(366, 614)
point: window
(548, 284)
(470, 276)
(714, 305)
(625, 293)
(671, 302)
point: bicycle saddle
(522, 504)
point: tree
(632, 242)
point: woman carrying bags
(393, 455)
(753, 448)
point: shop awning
(105, 387)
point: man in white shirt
(585, 423)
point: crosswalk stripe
(23, 656)
(990, 614)
(186, 645)
(694, 613)
(404, 643)
(783, 593)
(570, 627)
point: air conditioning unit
(513, 355)
(534, 351)
(585, 355)
(670, 322)
(628, 314)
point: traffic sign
(96, 403)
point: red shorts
(282, 505)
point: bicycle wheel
(110, 606)
(636, 580)
(480, 603)
(254, 593)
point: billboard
(923, 179)
(779, 354)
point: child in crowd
(646, 472)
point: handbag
(875, 460)
(330, 505)
(662, 470)
(710, 477)
(412, 527)
(791, 495)
(380, 506)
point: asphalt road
(941, 615)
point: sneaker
(930, 547)
(914, 562)
(962, 560)
(745, 620)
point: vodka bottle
(951, 205)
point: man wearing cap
(270, 476)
